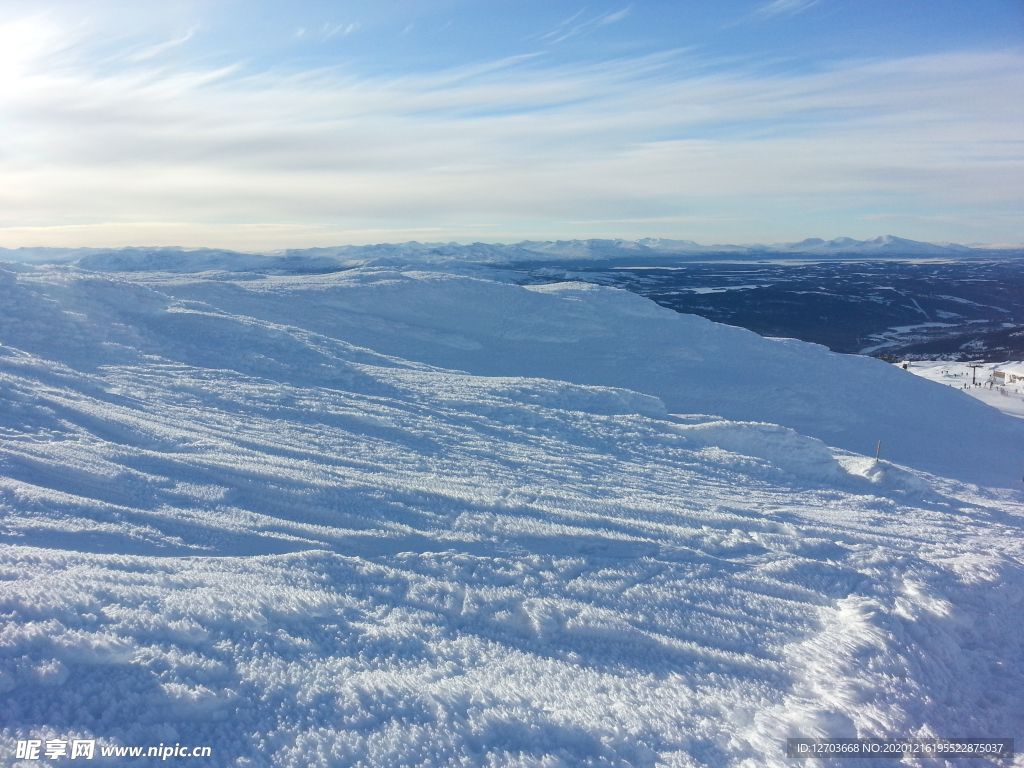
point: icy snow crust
(409, 517)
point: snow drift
(410, 517)
(601, 336)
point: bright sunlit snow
(407, 516)
(982, 381)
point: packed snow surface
(398, 517)
(1005, 393)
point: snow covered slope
(601, 336)
(268, 515)
(978, 381)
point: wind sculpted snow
(416, 518)
(601, 336)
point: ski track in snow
(233, 514)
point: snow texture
(410, 517)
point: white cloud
(513, 148)
(25, 43)
(784, 7)
(152, 51)
(572, 26)
(773, 9)
(331, 30)
(611, 18)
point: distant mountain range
(177, 259)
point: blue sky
(262, 125)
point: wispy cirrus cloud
(661, 145)
(784, 8)
(152, 51)
(612, 17)
(772, 10)
(326, 31)
(577, 24)
(331, 30)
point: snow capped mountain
(408, 515)
(45, 255)
(662, 243)
(885, 244)
(171, 260)
(598, 249)
(307, 260)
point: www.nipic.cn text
(86, 749)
